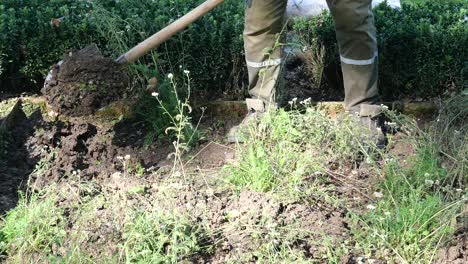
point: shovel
(74, 69)
(166, 33)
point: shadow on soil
(17, 161)
(56, 150)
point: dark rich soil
(60, 149)
(299, 82)
(93, 150)
(84, 82)
(456, 251)
(15, 163)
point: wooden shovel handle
(167, 32)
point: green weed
(35, 226)
(284, 148)
(161, 237)
(411, 219)
(149, 111)
(420, 200)
(449, 132)
(180, 128)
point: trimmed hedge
(207, 48)
(422, 47)
(30, 45)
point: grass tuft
(284, 148)
(421, 195)
(161, 237)
(35, 226)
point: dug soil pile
(83, 82)
(57, 150)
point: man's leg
(264, 21)
(356, 35)
(357, 41)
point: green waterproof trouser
(356, 35)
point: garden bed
(102, 195)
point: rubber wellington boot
(374, 127)
(240, 133)
(372, 120)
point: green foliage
(124, 24)
(422, 47)
(270, 152)
(168, 112)
(285, 147)
(30, 45)
(149, 110)
(412, 218)
(161, 237)
(36, 225)
(449, 132)
(421, 195)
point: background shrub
(30, 45)
(422, 48)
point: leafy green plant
(161, 237)
(419, 199)
(283, 148)
(180, 128)
(36, 225)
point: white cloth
(311, 8)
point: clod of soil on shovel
(83, 82)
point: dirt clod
(83, 82)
